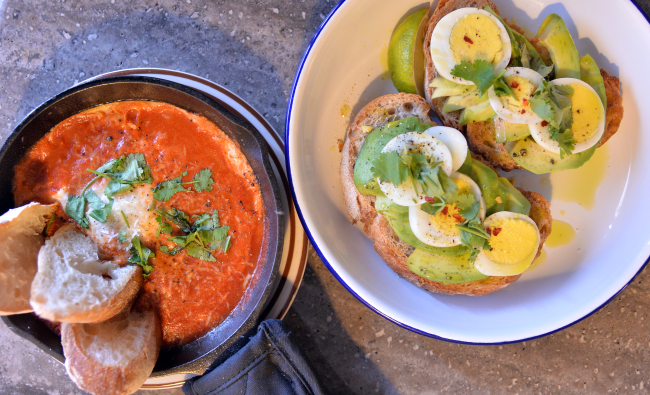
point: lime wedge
(406, 55)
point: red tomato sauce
(191, 296)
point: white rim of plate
(317, 248)
(294, 253)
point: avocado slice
(590, 73)
(468, 99)
(445, 87)
(515, 201)
(442, 268)
(376, 141)
(478, 113)
(532, 157)
(516, 131)
(555, 36)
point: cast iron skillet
(223, 341)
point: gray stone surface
(253, 48)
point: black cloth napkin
(271, 363)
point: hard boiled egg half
(588, 118)
(514, 240)
(469, 34)
(522, 82)
(440, 230)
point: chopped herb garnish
(200, 239)
(550, 102)
(163, 227)
(126, 221)
(47, 227)
(122, 236)
(202, 181)
(501, 88)
(75, 207)
(140, 255)
(123, 173)
(481, 73)
(163, 191)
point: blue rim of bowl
(329, 266)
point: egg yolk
(586, 113)
(445, 221)
(476, 36)
(523, 89)
(514, 241)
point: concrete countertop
(253, 48)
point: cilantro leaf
(550, 102)
(140, 255)
(481, 73)
(178, 218)
(206, 221)
(100, 210)
(163, 227)
(433, 208)
(389, 167)
(468, 206)
(75, 207)
(122, 236)
(173, 251)
(501, 88)
(197, 251)
(163, 191)
(203, 180)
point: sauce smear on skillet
(191, 295)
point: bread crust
(20, 239)
(481, 135)
(100, 377)
(389, 247)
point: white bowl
(345, 67)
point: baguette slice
(389, 247)
(115, 356)
(481, 135)
(73, 285)
(20, 240)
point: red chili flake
(469, 40)
(458, 217)
(496, 231)
(514, 84)
(489, 231)
(523, 111)
(430, 199)
(444, 211)
(525, 101)
(544, 123)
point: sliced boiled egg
(427, 145)
(522, 82)
(514, 240)
(469, 34)
(588, 118)
(440, 230)
(454, 140)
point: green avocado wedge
(555, 36)
(442, 268)
(590, 73)
(533, 157)
(375, 141)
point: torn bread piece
(20, 239)
(74, 285)
(114, 357)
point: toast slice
(361, 208)
(20, 239)
(481, 135)
(74, 285)
(112, 357)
